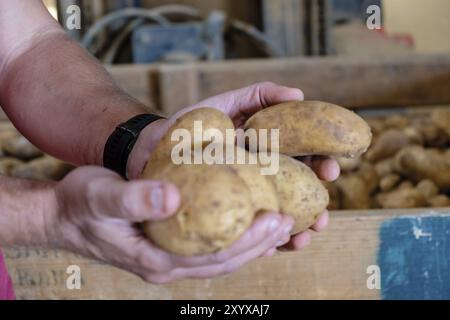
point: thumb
(138, 200)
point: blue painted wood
(414, 258)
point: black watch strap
(121, 142)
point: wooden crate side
(334, 266)
(354, 82)
(349, 81)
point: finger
(298, 241)
(263, 228)
(280, 243)
(269, 252)
(250, 99)
(135, 201)
(326, 168)
(283, 241)
(236, 262)
(322, 222)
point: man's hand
(240, 105)
(96, 214)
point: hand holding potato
(98, 210)
(96, 216)
(240, 105)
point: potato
(427, 188)
(417, 163)
(215, 210)
(220, 201)
(348, 164)
(414, 135)
(377, 125)
(43, 168)
(385, 167)
(6, 135)
(439, 201)
(389, 181)
(7, 165)
(396, 121)
(369, 175)
(21, 148)
(402, 197)
(334, 194)
(262, 188)
(387, 145)
(354, 192)
(210, 119)
(300, 193)
(314, 127)
(441, 118)
(433, 135)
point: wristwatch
(120, 143)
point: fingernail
(157, 198)
(288, 229)
(274, 224)
(280, 243)
(171, 199)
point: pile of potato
(407, 165)
(220, 201)
(19, 158)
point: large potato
(6, 135)
(418, 163)
(8, 164)
(262, 188)
(210, 118)
(314, 128)
(300, 193)
(43, 168)
(215, 210)
(20, 147)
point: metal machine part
(155, 37)
(179, 42)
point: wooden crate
(410, 247)
(354, 82)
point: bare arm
(25, 208)
(93, 212)
(66, 103)
(54, 92)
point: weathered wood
(284, 24)
(178, 87)
(353, 82)
(334, 266)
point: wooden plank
(354, 82)
(349, 81)
(178, 87)
(204, 6)
(334, 266)
(284, 24)
(354, 39)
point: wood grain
(354, 82)
(333, 267)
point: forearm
(63, 100)
(25, 207)
(59, 96)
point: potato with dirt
(220, 201)
(314, 128)
(215, 209)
